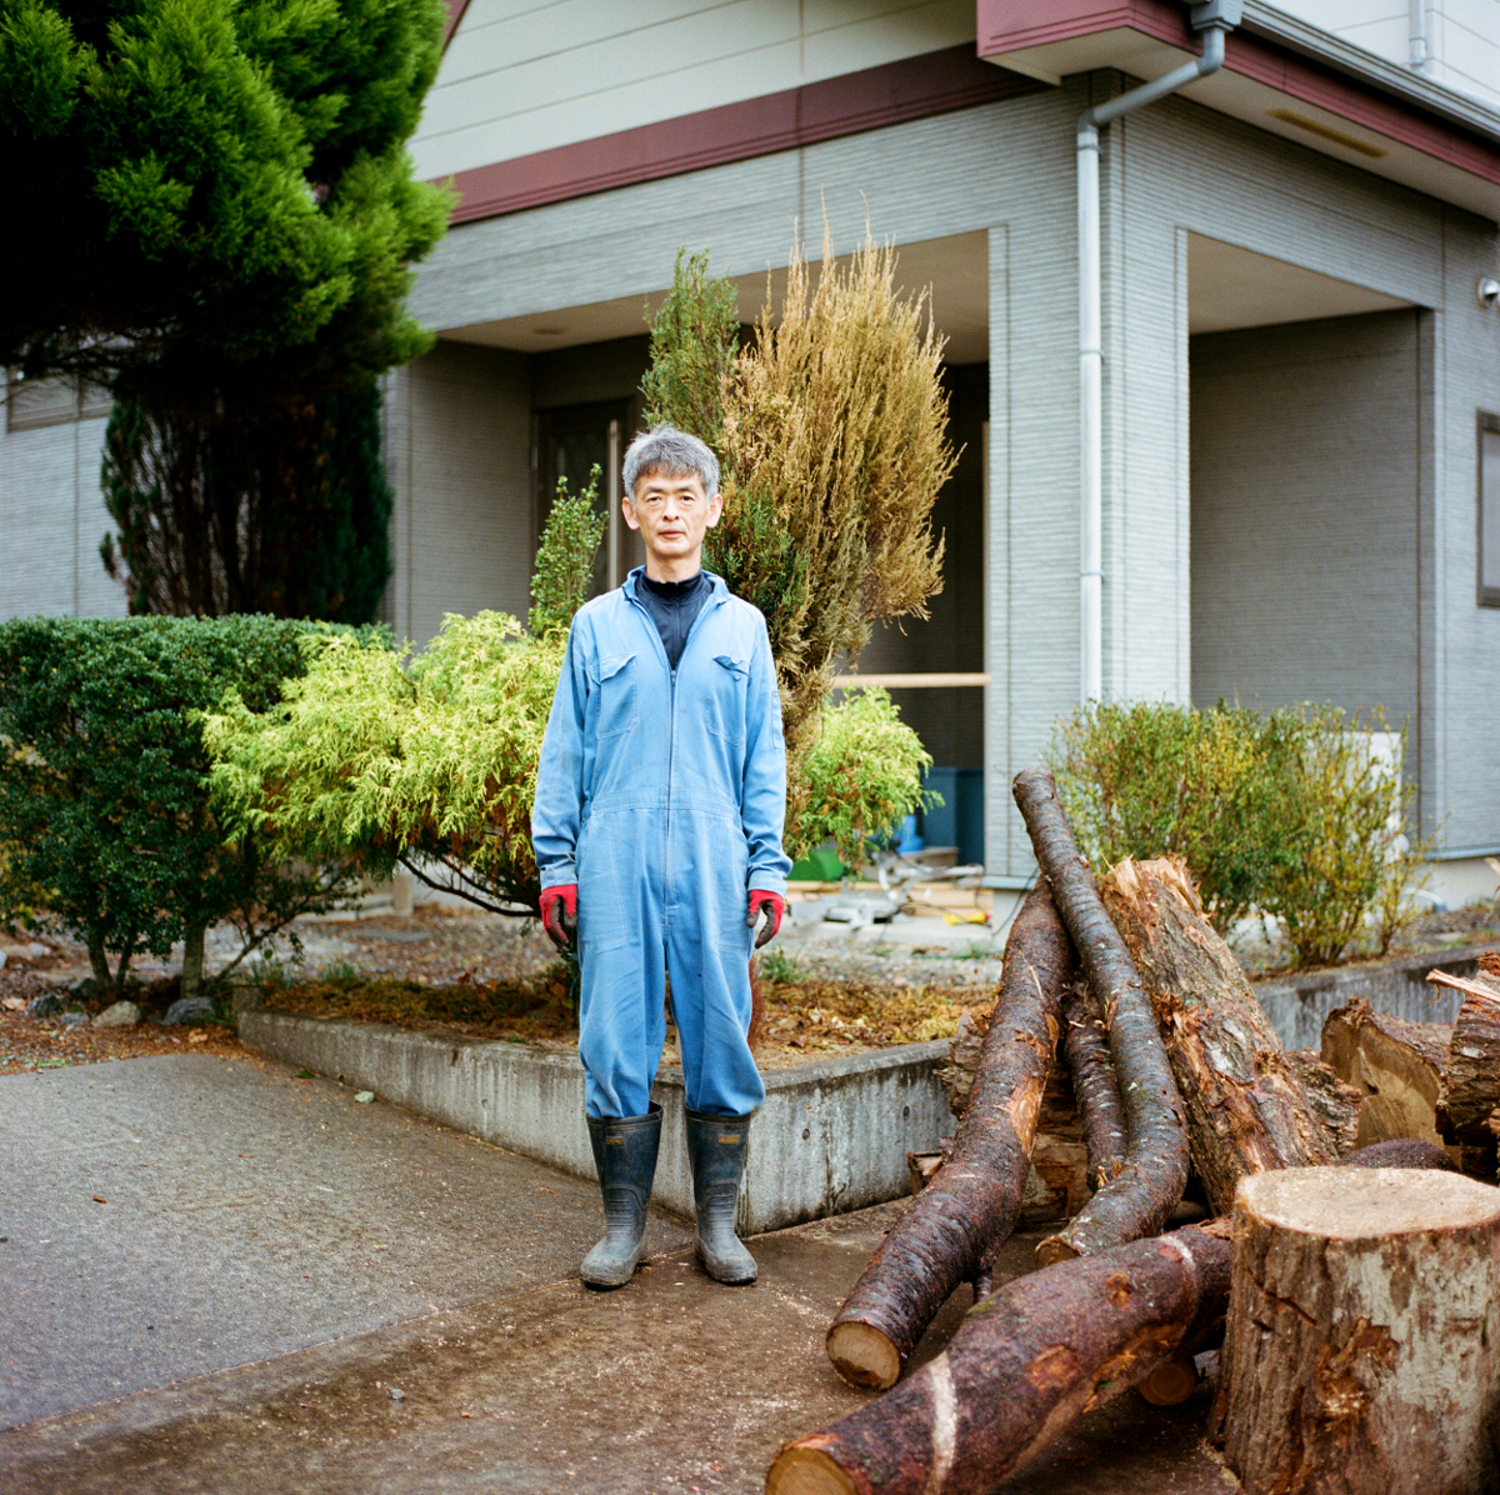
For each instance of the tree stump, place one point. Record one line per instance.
(1364, 1333)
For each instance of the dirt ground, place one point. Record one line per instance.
(448, 972)
(451, 971)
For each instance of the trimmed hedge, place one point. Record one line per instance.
(105, 804)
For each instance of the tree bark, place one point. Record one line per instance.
(192, 961)
(1043, 1349)
(1472, 1091)
(1334, 1103)
(969, 1208)
(1060, 1182)
(1086, 1048)
(1246, 1109)
(1155, 1170)
(1397, 1067)
(1038, 1353)
(1362, 1352)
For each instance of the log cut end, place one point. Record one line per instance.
(1359, 1204)
(1053, 1250)
(798, 1470)
(1171, 1383)
(863, 1356)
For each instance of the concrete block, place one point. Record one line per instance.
(832, 1137)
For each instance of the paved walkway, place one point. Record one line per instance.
(218, 1277)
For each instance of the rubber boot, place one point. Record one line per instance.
(625, 1156)
(716, 1149)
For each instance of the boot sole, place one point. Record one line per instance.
(608, 1280)
(728, 1278)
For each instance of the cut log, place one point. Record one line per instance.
(1362, 1354)
(1472, 1090)
(1038, 1353)
(1402, 1152)
(1335, 1103)
(1171, 1383)
(1246, 1108)
(1057, 1186)
(958, 1073)
(1086, 1048)
(967, 1211)
(1397, 1066)
(1151, 1181)
(1041, 1350)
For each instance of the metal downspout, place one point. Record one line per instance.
(1213, 20)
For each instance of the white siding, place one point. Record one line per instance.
(52, 518)
(1282, 528)
(519, 79)
(1463, 37)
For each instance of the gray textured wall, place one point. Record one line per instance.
(52, 518)
(1008, 168)
(458, 450)
(1305, 512)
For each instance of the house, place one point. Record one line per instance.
(1267, 470)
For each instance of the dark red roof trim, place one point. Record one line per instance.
(915, 88)
(1256, 57)
(1010, 25)
(455, 9)
(1013, 25)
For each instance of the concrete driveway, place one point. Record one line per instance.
(220, 1277)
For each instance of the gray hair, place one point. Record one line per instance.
(667, 450)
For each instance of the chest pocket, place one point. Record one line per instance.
(726, 716)
(615, 684)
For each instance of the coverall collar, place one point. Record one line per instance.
(717, 590)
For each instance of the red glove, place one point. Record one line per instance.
(774, 905)
(560, 913)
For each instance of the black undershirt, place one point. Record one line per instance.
(673, 606)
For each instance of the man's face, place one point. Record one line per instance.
(673, 513)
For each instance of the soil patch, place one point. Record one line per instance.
(799, 1020)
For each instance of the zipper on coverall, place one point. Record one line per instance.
(651, 628)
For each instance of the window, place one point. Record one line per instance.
(1489, 509)
(30, 403)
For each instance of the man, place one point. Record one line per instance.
(657, 828)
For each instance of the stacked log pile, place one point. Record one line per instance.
(1125, 1038)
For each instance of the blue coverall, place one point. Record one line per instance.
(662, 793)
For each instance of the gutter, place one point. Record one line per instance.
(1214, 20)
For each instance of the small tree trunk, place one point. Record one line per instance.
(1246, 1110)
(1086, 1047)
(104, 978)
(1397, 1067)
(1362, 1353)
(969, 1208)
(1042, 1350)
(1151, 1181)
(192, 961)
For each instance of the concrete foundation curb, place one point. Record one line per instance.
(832, 1137)
(1299, 1005)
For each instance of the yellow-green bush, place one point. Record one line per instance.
(1290, 815)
